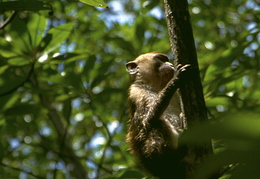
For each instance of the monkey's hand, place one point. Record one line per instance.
(183, 74)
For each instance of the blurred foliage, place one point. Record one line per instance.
(63, 86)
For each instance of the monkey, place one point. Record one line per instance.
(155, 123)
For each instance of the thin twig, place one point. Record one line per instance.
(21, 170)
(8, 20)
(57, 122)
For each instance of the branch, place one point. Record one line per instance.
(59, 126)
(183, 48)
(109, 140)
(21, 170)
(8, 20)
(63, 136)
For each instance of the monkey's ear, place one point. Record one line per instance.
(132, 67)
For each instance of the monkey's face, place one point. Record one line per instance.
(153, 69)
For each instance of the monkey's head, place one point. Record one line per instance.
(152, 69)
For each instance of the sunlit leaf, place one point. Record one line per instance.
(20, 39)
(8, 100)
(224, 101)
(98, 3)
(3, 68)
(69, 57)
(7, 49)
(56, 36)
(18, 61)
(37, 26)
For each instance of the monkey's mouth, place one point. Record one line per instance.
(168, 73)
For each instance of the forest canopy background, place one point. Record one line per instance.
(63, 85)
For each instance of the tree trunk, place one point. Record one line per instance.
(183, 48)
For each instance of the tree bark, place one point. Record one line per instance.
(183, 48)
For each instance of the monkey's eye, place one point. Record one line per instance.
(162, 58)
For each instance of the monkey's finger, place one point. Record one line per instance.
(186, 67)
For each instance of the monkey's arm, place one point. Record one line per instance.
(146, 106)
(165, 96)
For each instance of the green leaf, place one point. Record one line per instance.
(22, 109)
(139, 31)
(20, 39)
(130, 173)
(211, 102)
(215, 163)
(45, 42)
(7, 49)
(18, 61)
(91, 60)
(69, 80)
(24, 5)
(217, 68)
(97, 77)
(127, 45)
(240, 131)
(3, 68)
(68, 57)
(56, 36)
(97, 3)
(8, 100)
(11, 79)
(36, 27)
